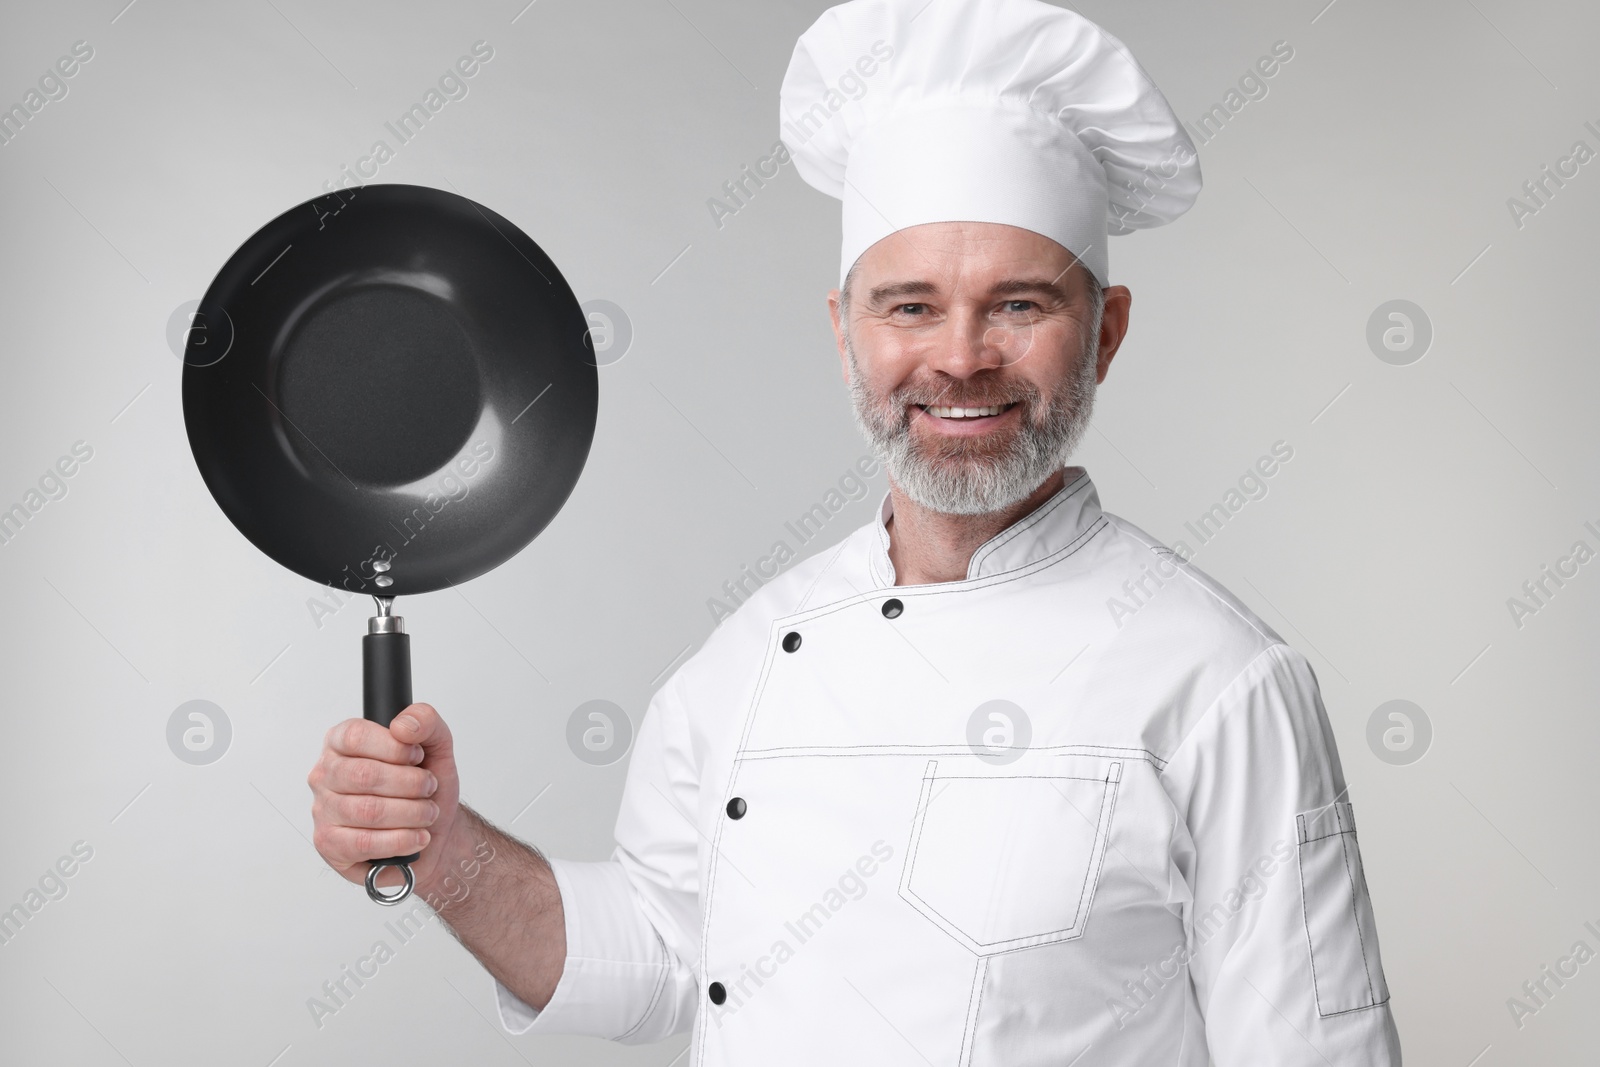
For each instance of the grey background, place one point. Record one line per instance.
(1418, 500)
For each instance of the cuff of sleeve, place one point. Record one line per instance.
(613, 971)
(515, 1015)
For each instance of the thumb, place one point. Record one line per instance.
(421, 724)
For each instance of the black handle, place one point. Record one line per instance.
(385, 693)
(385, 676)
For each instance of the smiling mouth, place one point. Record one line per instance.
(945, 412)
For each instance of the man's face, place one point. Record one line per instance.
(972, 352)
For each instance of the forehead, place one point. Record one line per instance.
(963, 256)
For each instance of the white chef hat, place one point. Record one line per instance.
(1009, 111)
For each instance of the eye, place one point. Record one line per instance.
(1019, 306)
(918, 308)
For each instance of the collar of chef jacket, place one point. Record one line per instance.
(1067, 517)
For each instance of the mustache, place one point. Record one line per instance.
(953, 392)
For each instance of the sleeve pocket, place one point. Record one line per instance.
(1340, 931)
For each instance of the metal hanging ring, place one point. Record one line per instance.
(397, 893)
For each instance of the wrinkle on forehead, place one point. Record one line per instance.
(951, 254)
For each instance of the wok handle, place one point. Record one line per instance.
(385, 693)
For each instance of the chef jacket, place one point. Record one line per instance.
(1082, 807)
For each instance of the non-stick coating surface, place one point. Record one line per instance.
(408, 380)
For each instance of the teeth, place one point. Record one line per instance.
(964, 413)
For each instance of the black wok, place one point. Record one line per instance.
(390, 390)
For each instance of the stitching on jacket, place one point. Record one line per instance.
(1005, 537)
(784, 622)
(1091, 876)
(1270, 650)
(981, 981)
(969, 1026)
(655, 997)
(1183, 568)
(1114, 788)
(1141, 755)
(713, 867)
(880, 546)
(826, 567)
(1305, 917)
(969, 585)
(1355, 915)
(1311, 955)
(1020, 777)
(1347, 1011)
(906, 892)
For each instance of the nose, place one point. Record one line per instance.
(969, 343)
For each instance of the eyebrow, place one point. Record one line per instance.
(1008, 287)
(894, 290)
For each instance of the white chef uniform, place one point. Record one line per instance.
(1082, 807)
(1148, 857)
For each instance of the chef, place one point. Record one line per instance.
(926, 798)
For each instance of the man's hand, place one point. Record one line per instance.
(382, 792)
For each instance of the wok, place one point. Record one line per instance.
(389, 390)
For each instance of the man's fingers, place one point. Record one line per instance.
(374, 813)
(368, 740)
(421, 724)
(371, 797)
(345, 846)
(356, 777)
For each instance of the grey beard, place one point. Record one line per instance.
(955, 477)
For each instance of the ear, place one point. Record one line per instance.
(1113, 327)
(838, 334)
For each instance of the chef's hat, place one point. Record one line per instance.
(1009, 111)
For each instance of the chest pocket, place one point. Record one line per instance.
(1003, 862)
